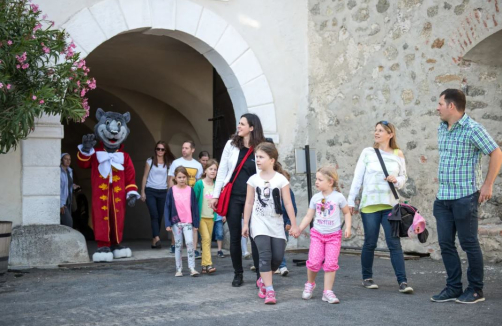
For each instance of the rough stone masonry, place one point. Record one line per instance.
(372, 60)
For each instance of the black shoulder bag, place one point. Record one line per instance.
(401, 217)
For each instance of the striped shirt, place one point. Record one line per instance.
(460, 150)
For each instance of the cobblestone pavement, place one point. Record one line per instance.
(148, 294)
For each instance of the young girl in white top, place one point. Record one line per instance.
(154, 187)
(326, 235)
(263, 206)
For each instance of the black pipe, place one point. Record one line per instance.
(309, 178)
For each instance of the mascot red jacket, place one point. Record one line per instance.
(113, 182)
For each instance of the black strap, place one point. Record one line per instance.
(386, 173)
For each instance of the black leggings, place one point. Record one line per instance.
(271, 252)
(234, 219)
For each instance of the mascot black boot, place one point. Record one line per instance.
(113, 182)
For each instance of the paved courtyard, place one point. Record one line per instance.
(147, 293)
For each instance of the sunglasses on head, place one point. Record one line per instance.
(384, 122)
(160, 149)
(323, 201)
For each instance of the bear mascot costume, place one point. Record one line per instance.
(112, 180)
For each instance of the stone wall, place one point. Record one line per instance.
(389, 60)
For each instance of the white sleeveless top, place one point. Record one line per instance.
(157, 178)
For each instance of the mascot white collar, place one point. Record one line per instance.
(107, 160)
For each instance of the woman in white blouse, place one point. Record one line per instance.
(154, 187)
(377, 201)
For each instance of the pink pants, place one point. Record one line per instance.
(324, 248)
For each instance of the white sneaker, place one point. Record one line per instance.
(193, 272)
(246, 255)
(178, 273)
(252, 268)
(308, 290)
(284, 271)
(277, 271)
(329, 297)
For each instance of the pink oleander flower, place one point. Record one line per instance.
(18, 66)
(1, 85)
(82, 92)
(41, 102)
(91, 83)
(78, 83)
(9, 86)
(22, 58)
(34, 97)
(34, 8)
(44, 17)
(46, 50)
(37, 26)
(25, 66)
(9, 42)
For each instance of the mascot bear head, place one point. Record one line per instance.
(111, 128)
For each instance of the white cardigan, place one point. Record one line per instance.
(369, 174)
(227, 166)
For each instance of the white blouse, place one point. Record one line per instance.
(369, 175)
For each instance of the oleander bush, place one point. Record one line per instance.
(40, 72)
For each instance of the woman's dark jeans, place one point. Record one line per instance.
(156, 200)
(234, 220)
(371, 224)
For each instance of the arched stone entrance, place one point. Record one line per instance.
(193, 24)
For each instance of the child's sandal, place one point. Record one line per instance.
(204, 269)
(210, 269)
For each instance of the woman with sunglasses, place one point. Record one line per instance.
(154, 187)
(377, 201)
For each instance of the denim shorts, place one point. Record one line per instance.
(218, 230)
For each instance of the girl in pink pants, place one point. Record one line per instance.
(326, 235)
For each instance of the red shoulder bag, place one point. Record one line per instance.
(224, 200)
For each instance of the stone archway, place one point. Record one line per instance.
(473, 27)
(209, 34)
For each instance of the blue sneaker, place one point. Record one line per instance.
(471, 296)
(197, 255)
(446, 295)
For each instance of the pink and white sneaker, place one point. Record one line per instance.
(329, 297)
(270, 298)
(307, 292)
(262, 292)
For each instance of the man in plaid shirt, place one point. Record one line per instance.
(461, 142)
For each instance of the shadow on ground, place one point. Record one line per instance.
(147, 293)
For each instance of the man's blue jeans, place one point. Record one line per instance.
(460, 216)
(371, 224)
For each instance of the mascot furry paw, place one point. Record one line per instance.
(112, 179)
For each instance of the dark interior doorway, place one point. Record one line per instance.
(224, 123)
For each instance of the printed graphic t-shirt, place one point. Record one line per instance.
(182, 200)
(327, 216)
(194, 169)
(264, 219)
(207, 212)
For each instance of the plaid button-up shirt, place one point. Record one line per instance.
(460, 150)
